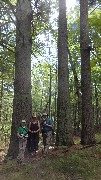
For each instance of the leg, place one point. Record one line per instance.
(22, 146)
(29, 143)
(48, 140)
(32, 143)
(44, 135)
(36, 141)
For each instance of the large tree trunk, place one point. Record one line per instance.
(22, 104)
(64, 135)
(87, 134)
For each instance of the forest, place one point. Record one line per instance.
(50, 61)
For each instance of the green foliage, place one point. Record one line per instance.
(13, 2)
(95, 28)
(41, 85)
(6, 117)
(98, 137)
(95, 34)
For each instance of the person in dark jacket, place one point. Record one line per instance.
(46, 129)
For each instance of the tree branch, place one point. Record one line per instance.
(12, 7)
(5, 46)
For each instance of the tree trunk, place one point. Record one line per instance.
(96, 105)
(22, 104)
(64, 134)
(78, 91)
(87, 133)
(1, 97)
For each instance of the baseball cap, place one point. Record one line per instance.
(44, 114)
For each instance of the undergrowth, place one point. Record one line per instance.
(75, 163)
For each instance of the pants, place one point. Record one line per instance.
(33, 141)
(46, 140)
(22, 147)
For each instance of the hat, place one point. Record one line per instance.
(23, 121)
(44, 114)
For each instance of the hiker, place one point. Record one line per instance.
(34, 129)
(22, 135)
(46, 129)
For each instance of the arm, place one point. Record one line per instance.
(38, 126)
(20, 136)
(19, 133)
(29, 128)
(49, 124)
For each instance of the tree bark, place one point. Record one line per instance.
(64, 133)
(87, 133)
(22, 104)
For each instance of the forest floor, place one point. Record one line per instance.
(74, 163)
